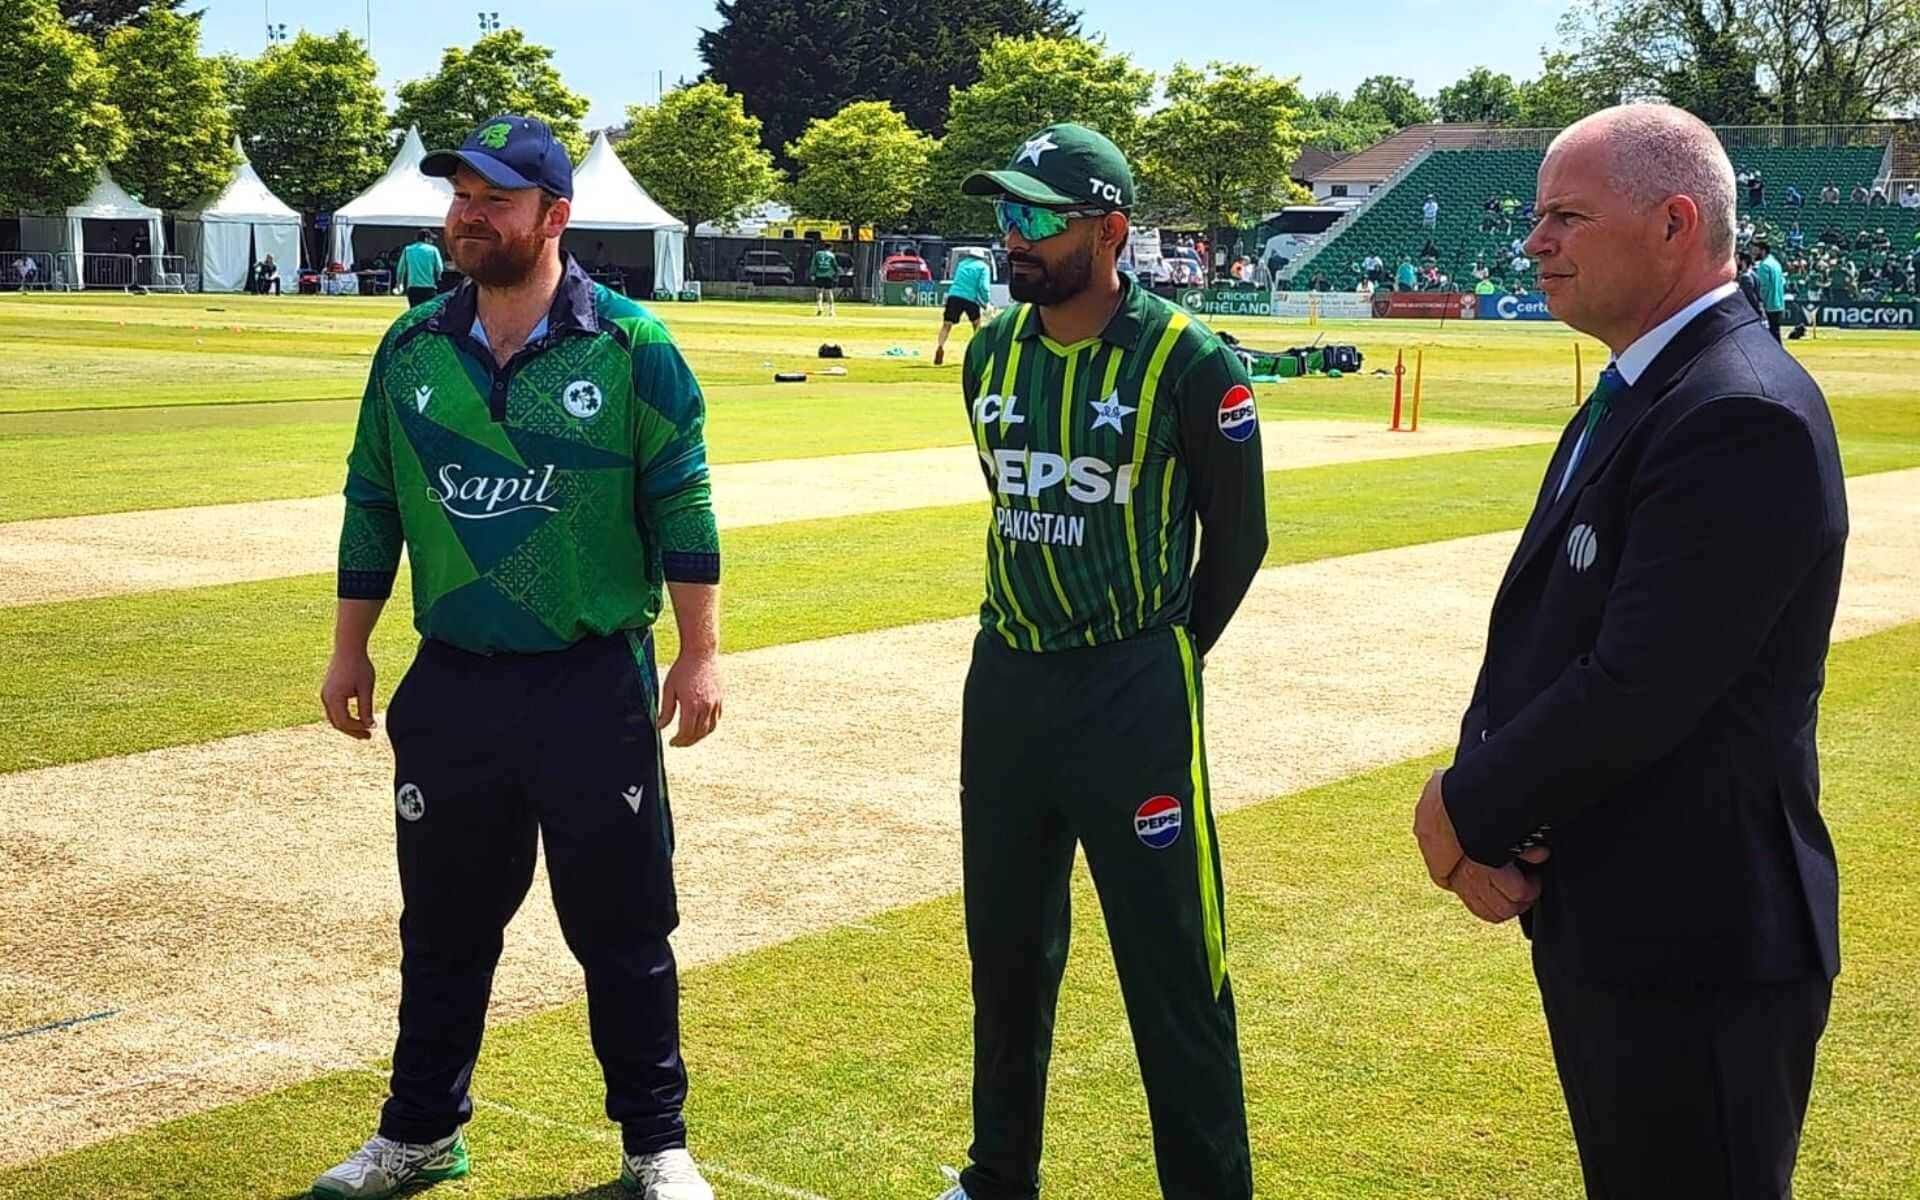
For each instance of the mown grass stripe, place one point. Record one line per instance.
(92, 678)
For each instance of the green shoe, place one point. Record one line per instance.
(383, 1168)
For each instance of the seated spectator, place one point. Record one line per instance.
(1520, 265)
(1880, 239)
(269, 276)
(1405, 278)
(1832, 237)
(1430, 250)
(1364, 288)
(1796, 237)
(1517, 247)
(1878, 196)
(1862, 240)
(1910, 197)
(1756, 189)
(1795, 197)
(1860, 194)
(1830, 194)
(1484, 287)
(1526, 212)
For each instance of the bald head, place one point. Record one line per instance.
(1655, 152)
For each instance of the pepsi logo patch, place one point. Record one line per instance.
(1237, 419)
(1157, 822)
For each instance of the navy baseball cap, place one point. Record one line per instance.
(509, 152)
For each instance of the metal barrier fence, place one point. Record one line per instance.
(73, 272)
(161, 272)
(25, 270)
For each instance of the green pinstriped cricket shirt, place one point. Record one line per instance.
(540, 502)
(1125, 474)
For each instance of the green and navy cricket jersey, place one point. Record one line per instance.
(540, 502)
(825, 266)
(420, 265)
(1105, 459)
(972, 281)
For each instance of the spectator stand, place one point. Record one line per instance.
(1502, 165)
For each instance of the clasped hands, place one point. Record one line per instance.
(1493, 894)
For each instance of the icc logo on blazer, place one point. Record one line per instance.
(1582, 545)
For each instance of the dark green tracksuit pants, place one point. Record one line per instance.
(1101, 746)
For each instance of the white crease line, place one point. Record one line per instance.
(601, 1135)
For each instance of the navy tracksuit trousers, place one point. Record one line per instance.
(489, 751)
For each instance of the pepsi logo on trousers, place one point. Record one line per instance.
(1157, 822)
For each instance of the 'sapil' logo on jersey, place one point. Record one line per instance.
(479, 497)
(1157, 822)
(1237, 418)
(583, 399)
(1033, 472)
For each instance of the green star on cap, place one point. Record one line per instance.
(1062, 166)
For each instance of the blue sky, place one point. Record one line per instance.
(614, 51)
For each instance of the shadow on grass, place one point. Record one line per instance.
(606, 1191)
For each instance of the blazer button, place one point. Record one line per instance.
(1483, 735)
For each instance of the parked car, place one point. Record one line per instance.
(905, 268)
(764, 267)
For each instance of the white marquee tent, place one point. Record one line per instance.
(66, 234)
(608, 200)
(242, 225)
(391, 212)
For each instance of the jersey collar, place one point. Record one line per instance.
(572, 311)
(1123, 328)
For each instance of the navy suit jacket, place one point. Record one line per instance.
(1648, 699)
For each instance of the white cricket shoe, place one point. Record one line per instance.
(956, 1192)
(668, 1175)
(383, 1167)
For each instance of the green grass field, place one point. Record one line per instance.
(1393, 1046)
(100, 416)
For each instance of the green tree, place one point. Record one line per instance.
(1482, 96)
(794, 60)
(236, 77)
(1394, 99)
(1220, 150)
(314, 121)
(501, 73)
(1563, 93)
(1025, 85)
(698, 153)
(98, 18)
(1697, 54)
(175, 104)
(864, 165)
(1343, 127)
(58, 125)
(1838, 62)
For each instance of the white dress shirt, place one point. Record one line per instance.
(1635, 360)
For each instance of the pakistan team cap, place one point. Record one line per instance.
(509, 152)
(1062, 166)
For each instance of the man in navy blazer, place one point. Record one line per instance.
(1637, 771)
